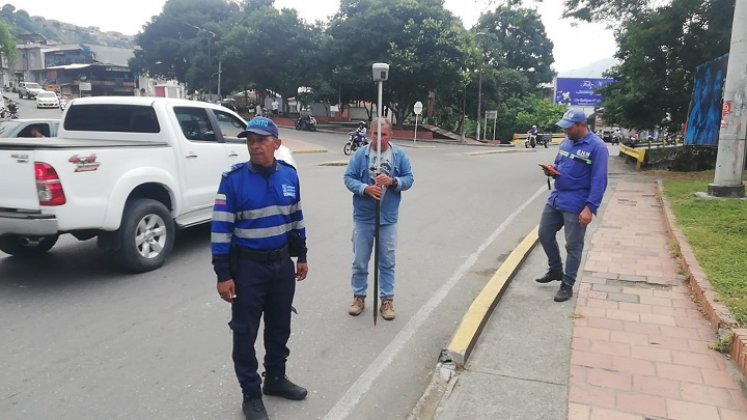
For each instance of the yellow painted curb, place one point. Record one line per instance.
(497, 152)
(478, 313)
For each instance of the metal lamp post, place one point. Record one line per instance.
(479, 101)
(479, 87)
(380, 75)
(210, 56)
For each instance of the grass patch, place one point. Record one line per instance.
(717, 232)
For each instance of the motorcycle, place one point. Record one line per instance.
(356, 140)
(9, 113)
(531, 140)
(306, 122)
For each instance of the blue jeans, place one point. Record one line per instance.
(551, 222)
(363, 236)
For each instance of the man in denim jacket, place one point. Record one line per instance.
(367, 186)
(580, 172)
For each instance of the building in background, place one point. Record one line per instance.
(75, 69)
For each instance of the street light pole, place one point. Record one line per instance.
(210, 56)
(220, 64)
(479, 85)
(479, 101)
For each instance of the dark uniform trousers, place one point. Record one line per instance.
(261, 287)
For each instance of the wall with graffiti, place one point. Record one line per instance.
(704, 118)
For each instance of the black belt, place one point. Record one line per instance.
(262, 256)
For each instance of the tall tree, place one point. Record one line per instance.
(659, 51)
(8, 45)
(423, 43)
(271, 49)
(610, 10)
(181, 42)
(514, 38)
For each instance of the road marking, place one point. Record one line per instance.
(347, 403)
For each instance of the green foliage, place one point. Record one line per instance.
(257, 45)
(517, 115)
(275, 50)
(659, 50)
(431, 56)
(717, 232)
(179, 43)
(596, 10)
(8, 45)
(514, 38)
(424, 44)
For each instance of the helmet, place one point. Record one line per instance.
(362, 124)
(534, 126)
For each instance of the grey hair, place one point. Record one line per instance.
(384, 122)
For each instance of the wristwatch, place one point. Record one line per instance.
(394, 182)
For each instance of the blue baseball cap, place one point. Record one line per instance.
(262, 126)
(572, 116)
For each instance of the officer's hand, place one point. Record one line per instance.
(373, 191)
(302, 269)
(227, 290)
(585, 217)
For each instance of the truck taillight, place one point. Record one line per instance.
(48, 185)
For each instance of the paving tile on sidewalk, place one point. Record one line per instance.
(657, 364)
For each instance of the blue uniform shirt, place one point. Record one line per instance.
(583, 174)
(255, 208)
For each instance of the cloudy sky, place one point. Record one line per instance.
(575, 46)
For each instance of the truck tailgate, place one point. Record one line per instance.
(17, 181)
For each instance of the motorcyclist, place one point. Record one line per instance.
(360, 133)
(531, 133)
(11, 109)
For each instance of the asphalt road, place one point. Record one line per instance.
(82, 340)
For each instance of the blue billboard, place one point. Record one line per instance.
(579, 91)
(704, 117)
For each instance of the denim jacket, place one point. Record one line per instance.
(358, 176)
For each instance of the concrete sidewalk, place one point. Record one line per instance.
(632, 344)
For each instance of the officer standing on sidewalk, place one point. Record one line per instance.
(580, 181)
(257, 225)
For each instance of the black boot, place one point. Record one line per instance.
(551, 275)
(253, 408)
(564, 293)
(280, 386)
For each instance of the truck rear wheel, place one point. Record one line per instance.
(27, 246)
(146, 235)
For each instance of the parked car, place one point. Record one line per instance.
(28, 90)
(47, 99)
(23, 128)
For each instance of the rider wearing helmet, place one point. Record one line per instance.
(360, 133)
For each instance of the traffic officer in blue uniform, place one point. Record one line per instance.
(580, 172)
(257, 225)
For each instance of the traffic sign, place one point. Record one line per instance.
(418, 108)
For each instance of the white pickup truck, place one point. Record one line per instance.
(124, 169)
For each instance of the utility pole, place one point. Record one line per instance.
(727, 181)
